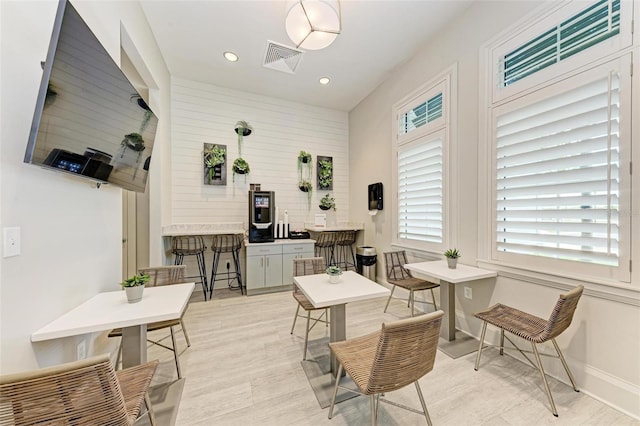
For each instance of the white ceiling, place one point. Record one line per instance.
(377, 36)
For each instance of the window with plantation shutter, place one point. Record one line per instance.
(558, 181)
(588, 27)
(420, 190)
(420, 169)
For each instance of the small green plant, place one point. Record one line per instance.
(334, 270)
(136, 280)
(327, 202)
(452, 253)
(214, 156)
(304, 157)
(133, 141)
(305, 186)
(241, 167)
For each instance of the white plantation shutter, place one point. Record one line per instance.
(420, 190)
(557, 175)
(590, 26)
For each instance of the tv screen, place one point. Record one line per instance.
(89, 119)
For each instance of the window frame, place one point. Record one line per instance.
(443, 126)
(487, 100)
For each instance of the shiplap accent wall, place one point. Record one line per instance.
(206, 113)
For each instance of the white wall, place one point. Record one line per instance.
(203, 113)
(603, 343)
(71, 231)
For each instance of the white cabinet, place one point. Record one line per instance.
(270, 265)
(290, 252)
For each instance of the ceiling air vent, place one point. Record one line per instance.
(282, 58)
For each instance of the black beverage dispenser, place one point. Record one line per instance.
(261, 216)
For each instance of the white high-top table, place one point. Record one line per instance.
(448, 278)
(109, 310)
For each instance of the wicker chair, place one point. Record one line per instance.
(191, 245)
(325, 246)
(535, 330)
(307, 266)
(399, 354)
(162, 275)
(85, 392)
(343, 250)
(226, 243)
(399, 276)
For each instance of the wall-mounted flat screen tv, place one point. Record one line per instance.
(89, 119)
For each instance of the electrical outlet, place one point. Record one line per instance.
(11, 242)
(81, 350)
(468, 293)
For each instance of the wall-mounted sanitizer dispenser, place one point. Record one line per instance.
(375, 196)
(261, 216)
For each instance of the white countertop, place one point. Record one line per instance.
(440, 270)
(203, 229)
(352, 288)
(280, 242)
(109, 310)
(335, 228)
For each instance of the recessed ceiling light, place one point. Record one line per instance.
(325, 80)
(230, 56)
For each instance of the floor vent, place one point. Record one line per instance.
(282, 58)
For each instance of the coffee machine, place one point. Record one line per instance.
(261, 216)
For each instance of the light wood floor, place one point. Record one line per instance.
(243, 368)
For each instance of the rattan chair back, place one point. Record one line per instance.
(345, 238)
(562, 315)
(308, 266)
(406, 351)
(394, 264)
(187, 244)
(164, 275)
(77, 393)
(326, 239)
(226, 243)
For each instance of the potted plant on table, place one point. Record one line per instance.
(452, 256)
(334, 273)
(134, 286)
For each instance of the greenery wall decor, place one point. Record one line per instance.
(240, 165)
(215, 164)
(304, 174)
(327, 202)
(325, 173)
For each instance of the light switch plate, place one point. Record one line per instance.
(11, 242)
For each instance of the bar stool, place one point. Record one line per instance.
(227, 243)
(324, 247)
(344, 256)
(191, 245)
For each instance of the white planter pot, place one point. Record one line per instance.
(452, 263)
(334, 279)
(134, 294)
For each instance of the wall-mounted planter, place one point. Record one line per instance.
(215, 164)
(325, 173)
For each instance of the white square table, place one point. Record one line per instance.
(448, 278)
(109, 310)
(321, 293)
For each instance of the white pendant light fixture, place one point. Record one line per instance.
(313, 24)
